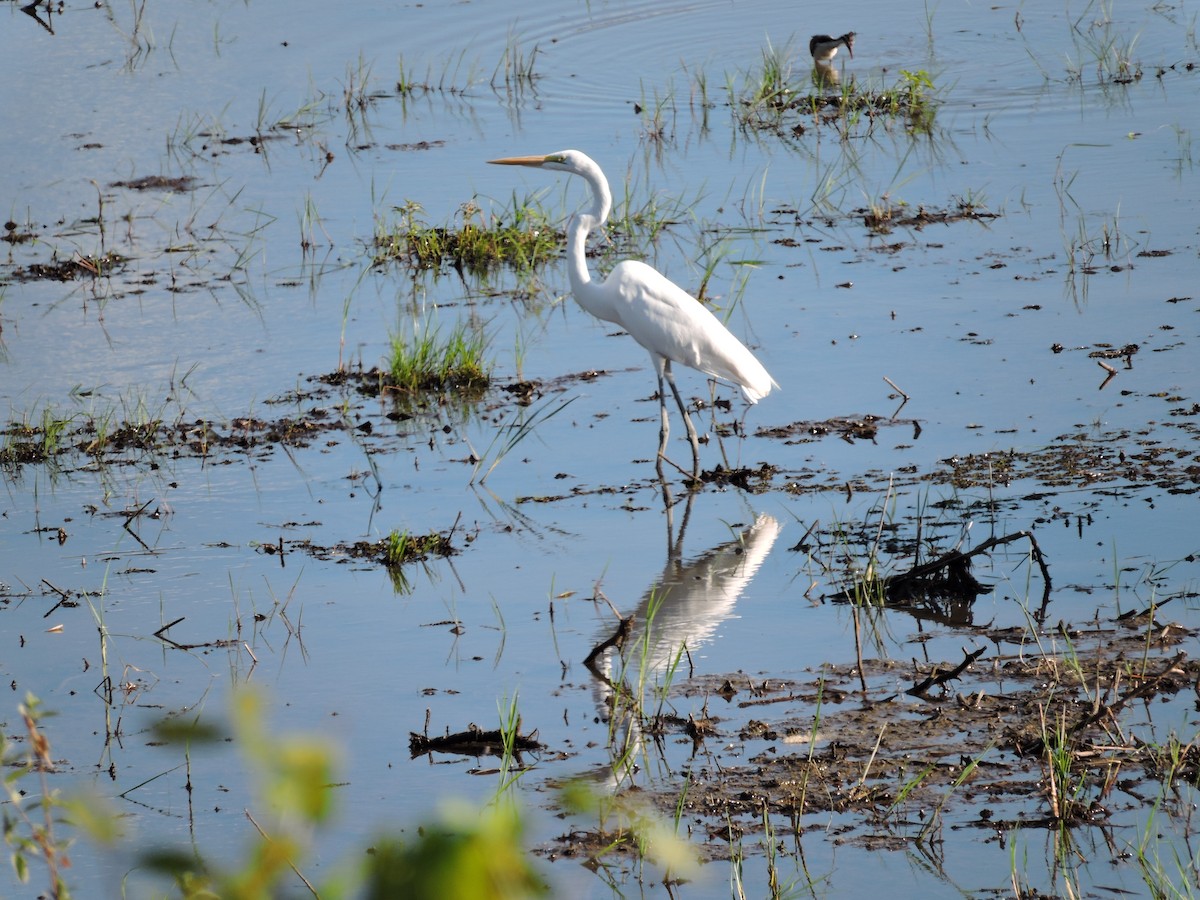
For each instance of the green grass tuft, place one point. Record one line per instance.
(773, 101)
(427, 363)
(478, 243)
(401, 547)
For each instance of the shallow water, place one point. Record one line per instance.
(221, 313)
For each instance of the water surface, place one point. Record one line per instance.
(239, 290)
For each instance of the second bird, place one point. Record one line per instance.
(824, 48)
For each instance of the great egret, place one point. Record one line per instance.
(661, 316)
(823, 47)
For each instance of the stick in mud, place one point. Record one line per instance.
(160, 634)
(617, 639)
(937, 677)
(1147, 688)
(133, 515)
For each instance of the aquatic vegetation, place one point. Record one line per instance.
(28, 442)
(520, 425)
(278, 469)
(518, 237)
(401, 547)
(770, 86)
(636, 225)
(356, 90)
(514, 73)
(884, 214)
(510, 734)
(773, 101)
(427, 362)
(658, 119)
(452, 79)
(1066, 777)
(1111, 54)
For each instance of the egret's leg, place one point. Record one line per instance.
(664, 428)
(687, 419)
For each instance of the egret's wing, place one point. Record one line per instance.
(670, 322)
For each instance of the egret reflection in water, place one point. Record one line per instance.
(680, 613)
(690, 600)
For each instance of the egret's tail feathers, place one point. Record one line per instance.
(759, 386)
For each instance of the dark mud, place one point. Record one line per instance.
(887, 754)
(178, 184)
(77, 267)
(359, 405)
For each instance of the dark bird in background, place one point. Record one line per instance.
(824, 48)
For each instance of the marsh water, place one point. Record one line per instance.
(1020, 263)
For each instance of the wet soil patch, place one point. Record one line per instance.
(790, 114)
(1077, 460)
(898, 759)
(179, 184)
(386, 552)
(1161, 456)
(883, 220)
(848, 428)
(13, 234)
(752, 479)
(333, 406)
(418, 145)
(70, 269)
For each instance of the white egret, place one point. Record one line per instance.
(661, 316)
(823, 47)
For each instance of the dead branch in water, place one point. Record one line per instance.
(951, 573)
(616, 639)
(472, 742)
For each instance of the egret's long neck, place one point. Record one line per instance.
(578, 228)
(601, 195)
(587, 292)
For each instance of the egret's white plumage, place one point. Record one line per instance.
(661, 316)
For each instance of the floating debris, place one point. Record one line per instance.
(474, 741)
